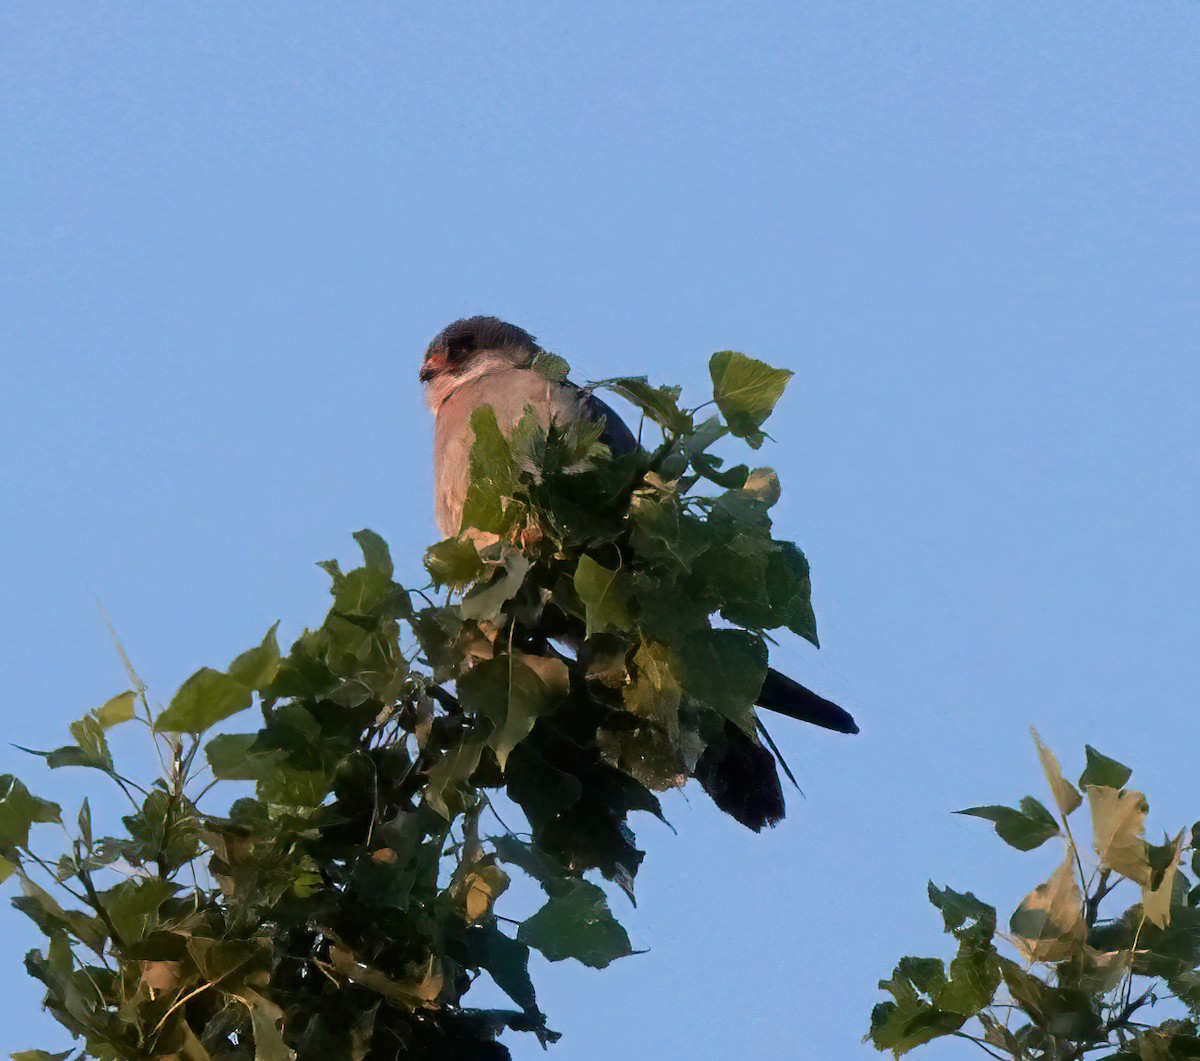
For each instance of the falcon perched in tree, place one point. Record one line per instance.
(484, 361)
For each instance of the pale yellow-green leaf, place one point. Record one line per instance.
(481, 888)
(1065, 794)
(430, 985)
(762, 484)
(118, 709)
(266, 1019)
(1118, 824)
(160, 976)
(1048, 926)
(1156, 904)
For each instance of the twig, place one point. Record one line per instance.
(981, 1044)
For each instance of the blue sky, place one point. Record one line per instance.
(227, 232)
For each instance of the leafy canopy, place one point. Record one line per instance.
(1081, 978)
(333, 889)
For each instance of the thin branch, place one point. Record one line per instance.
(54, 876)
(1092, 906)
(980, 1043)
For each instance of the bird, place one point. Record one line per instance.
(483, 360)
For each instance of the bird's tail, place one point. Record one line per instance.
(786, 697)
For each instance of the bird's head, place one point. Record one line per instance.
(470, 348)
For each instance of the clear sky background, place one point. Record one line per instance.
(228, 230)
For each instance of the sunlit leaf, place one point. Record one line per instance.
(1156, 901)
(1065, 794)
(117, 710)
(1048, 926)
(256, 667)
(746, 391)
(206, 698)
(1118, 823)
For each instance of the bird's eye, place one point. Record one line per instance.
(460, 345)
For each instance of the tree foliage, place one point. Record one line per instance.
(602, 638)
(1079, 978)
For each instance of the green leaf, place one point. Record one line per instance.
(90, 751)
(256, 668)
(266, 1019)
(655, 691)
(1066, 1010)
(1103, 771)
(84, 822)
(660, 404)
(576, 923)
(513, 691)
(974, 977)
(454, 562)
(447, 784)
(40, 1055)
(167, 830)
(746, 391)
(376, 555)
(506, 960)
(118, 709)
(725, 669)
(533, 860)
(133, 905)
(789, 590)
(605, 595)
(1023, 829)
(486, 601)
(44, 911)
(550, 366)
(912, 1018)
(240, 757)
(493, 474)
(962, 912)
(205, 699)
(369, 593)
(20, 809)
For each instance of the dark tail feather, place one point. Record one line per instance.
(786, 697)
(739, 774)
